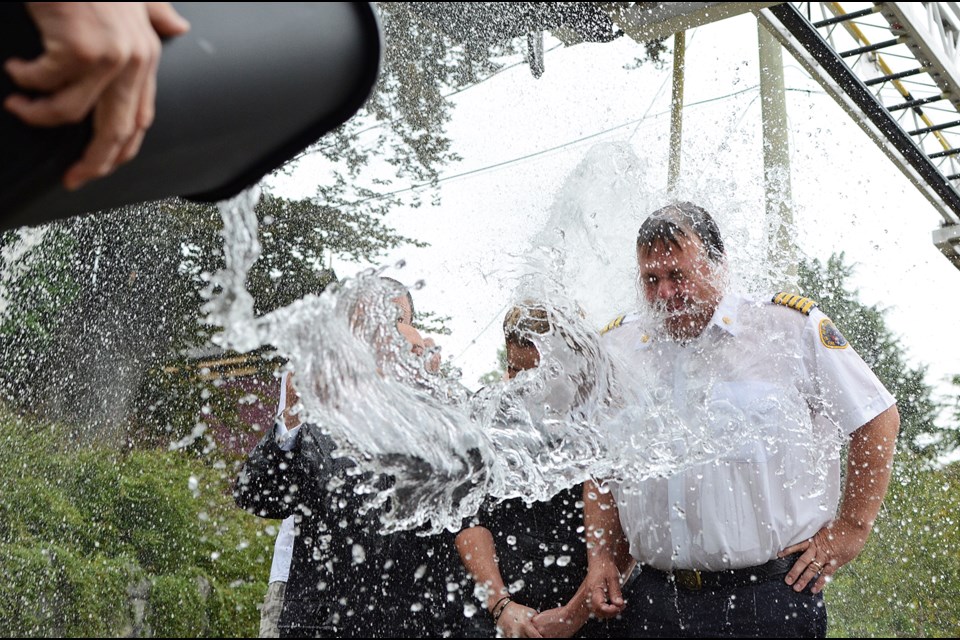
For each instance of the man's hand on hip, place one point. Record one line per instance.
(829, 549)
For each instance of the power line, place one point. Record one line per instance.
(492, 166)
(656, 96)
(498, 72)
(541, 152)
(639, 121)
(650, 106)
(498, 314)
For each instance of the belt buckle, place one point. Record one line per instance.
(688, 579)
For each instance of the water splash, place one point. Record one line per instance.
(17, 257)
(580, 414)
(229, 304)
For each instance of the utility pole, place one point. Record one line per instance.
(776, 161)
(676, 111)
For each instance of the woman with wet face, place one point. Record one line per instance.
(529, 559)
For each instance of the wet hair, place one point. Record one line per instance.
(667, 225)
(406, 291)
(532, 318)
(524, 319)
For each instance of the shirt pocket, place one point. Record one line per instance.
(747, 418)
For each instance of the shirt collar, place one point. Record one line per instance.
(725, 315)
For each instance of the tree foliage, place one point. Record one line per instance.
(402, 125)
(100, 543)
(496, 375)
(865, 327)
(113, 295)
(956, 401)
(906, 582)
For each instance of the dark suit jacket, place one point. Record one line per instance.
(346, 579)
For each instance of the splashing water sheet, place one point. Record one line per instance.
(445, 448)
(579, 415)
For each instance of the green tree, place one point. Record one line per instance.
(34, 291)
(96, 542)
(906, 582)
(402, 125)
(122, 296)
(865, 327)
(496, 375)
(955, 409)
(118, 293)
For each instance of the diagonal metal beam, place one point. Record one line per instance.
(928, 47)
(806, 44)
(645, 21)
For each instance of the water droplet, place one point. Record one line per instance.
(359, 554)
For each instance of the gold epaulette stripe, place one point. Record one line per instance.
(613, 324)
(793, 301)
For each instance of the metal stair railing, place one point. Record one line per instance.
(892, 67)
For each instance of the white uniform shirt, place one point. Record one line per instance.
(283, 547)
(283, 551)
(776, 393)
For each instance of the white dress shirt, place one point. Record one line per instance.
(772, 395)
(283, 547)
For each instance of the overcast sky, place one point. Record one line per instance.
(848, 196)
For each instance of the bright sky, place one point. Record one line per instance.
(847, 195)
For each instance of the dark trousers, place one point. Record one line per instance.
(657, 607)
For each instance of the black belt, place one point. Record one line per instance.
(694, 580)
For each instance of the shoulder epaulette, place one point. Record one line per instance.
(613, 324)
(793, 301)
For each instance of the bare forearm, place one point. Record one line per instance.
(479, 556)
(604, 535)
(607, 554)
(869, 465)
(578, 609)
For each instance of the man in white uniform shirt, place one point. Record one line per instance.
(760, 396)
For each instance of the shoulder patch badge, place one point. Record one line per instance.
(830, 336)
(798, 303)
(613, 324)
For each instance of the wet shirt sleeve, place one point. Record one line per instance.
(275, 474)
(843, 388)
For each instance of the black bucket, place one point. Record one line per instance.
(249, 87)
